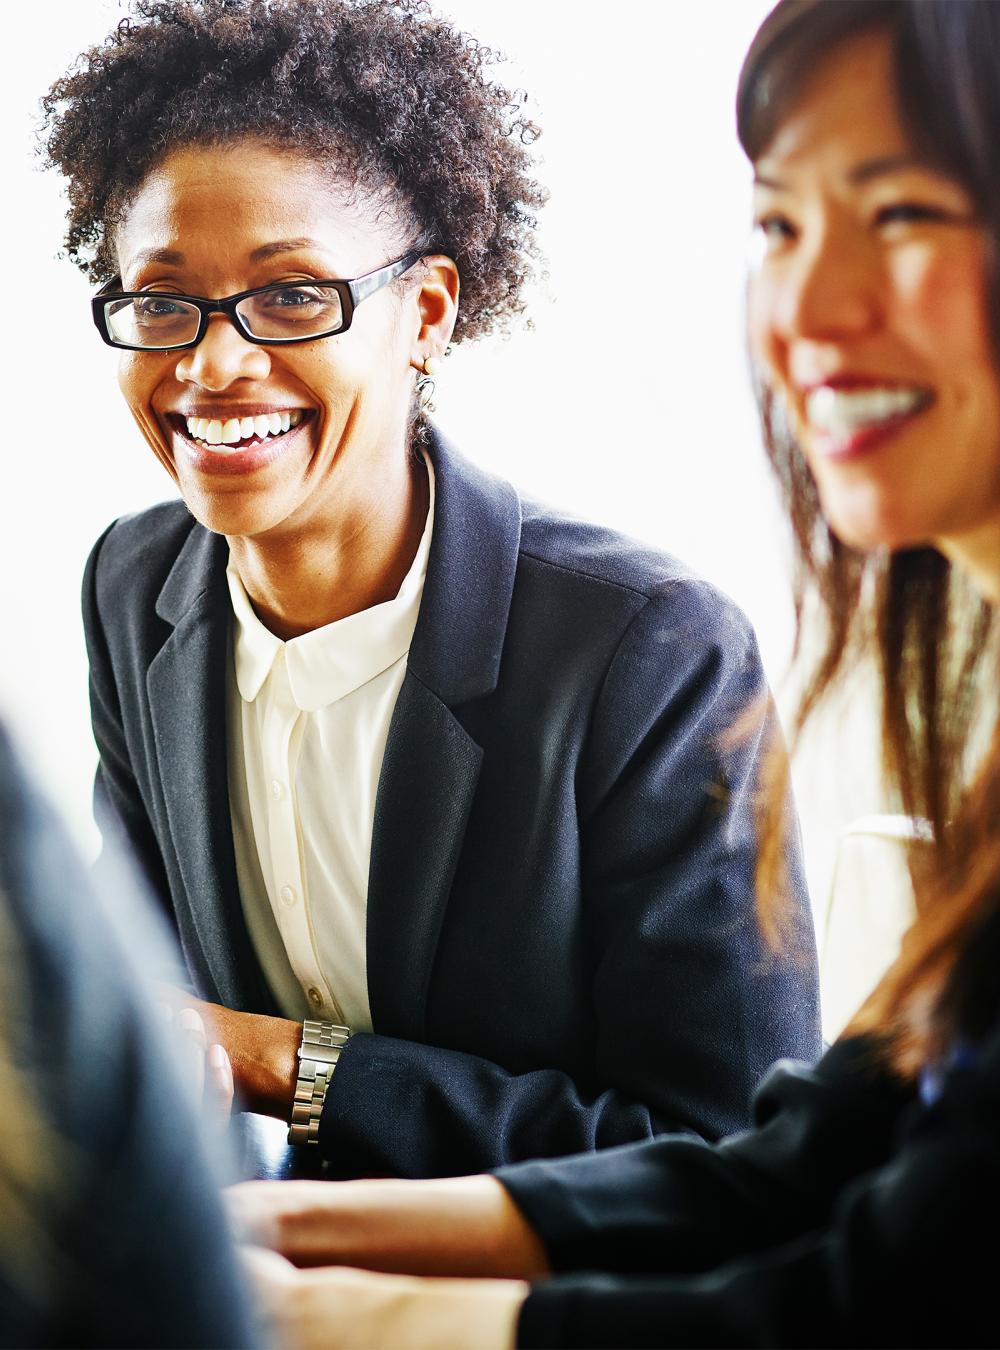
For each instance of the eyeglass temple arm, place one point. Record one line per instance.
(374, 281)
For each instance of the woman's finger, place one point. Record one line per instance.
(219, 1088)
(191, 1044)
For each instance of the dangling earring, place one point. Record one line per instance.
(425, 384)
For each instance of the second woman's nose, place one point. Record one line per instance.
(222, 357)
(829, 288)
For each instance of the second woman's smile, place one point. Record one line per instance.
(848, 417)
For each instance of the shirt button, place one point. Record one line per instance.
(315, 997)
(288, 896)
(277, 790)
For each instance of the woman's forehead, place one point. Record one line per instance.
(244, 202)
(849, 102)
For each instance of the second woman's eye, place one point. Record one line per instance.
(913, 213)
(774, 228)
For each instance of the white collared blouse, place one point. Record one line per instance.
(308, 723)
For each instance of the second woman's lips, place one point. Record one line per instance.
(841, 412)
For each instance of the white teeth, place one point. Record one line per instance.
(841, 412)
(223, 436)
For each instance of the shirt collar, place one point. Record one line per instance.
(331, 662)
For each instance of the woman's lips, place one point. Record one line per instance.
(256, 453)
(854, 418)
(844, 446)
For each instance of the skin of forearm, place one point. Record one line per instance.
(264, 1055)
(262, 1050)
(465, 1226)
(360, 1310)
(435, 1314)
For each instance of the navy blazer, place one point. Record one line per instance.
(562, 948)
(852, 1215)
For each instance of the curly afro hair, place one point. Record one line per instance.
(393, 99)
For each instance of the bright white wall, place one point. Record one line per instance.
(628, 402)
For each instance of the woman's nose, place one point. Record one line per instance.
(222, 357)
(830, 289)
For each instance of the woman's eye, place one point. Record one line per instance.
(157, 307)
(292, 297)
(774, 229)
(911, 213)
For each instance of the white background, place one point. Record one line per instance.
(628, 402)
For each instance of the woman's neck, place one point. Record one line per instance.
(342, 561)
(976, 552)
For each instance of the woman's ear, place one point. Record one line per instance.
(437, 305)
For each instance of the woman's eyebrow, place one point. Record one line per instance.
(173, 258)
(762, 180)
(861, 173)
(886, 164)
(169, 256)
(282, 246)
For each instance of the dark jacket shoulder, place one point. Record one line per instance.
(678, 603)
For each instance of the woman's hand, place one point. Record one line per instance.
(356, 1310)
(465, 1226)
(205, 1066)
(263, 1052)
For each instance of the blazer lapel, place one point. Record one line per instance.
(429, 776)
(431, 765)
(186, 685)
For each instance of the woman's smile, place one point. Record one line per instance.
(851, 415)
(239, 440)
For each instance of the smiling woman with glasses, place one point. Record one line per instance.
(431, 780)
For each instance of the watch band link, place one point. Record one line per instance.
(319, 1051)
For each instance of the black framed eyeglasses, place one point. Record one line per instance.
(284, 312)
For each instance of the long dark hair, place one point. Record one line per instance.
(930, 632)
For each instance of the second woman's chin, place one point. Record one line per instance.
(866, 517)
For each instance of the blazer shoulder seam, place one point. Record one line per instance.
(590, 576)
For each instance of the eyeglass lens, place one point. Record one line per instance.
(159, 320)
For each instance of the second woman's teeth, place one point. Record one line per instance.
(842, 412)
(214, 432)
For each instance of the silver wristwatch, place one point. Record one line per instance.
(319, 1051)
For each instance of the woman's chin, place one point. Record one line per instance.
(875, 524)
(235, 513)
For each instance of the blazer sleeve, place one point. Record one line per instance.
(689, 1007)
(848, 1217)
(119, 810)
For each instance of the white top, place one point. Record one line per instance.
(308, 722)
